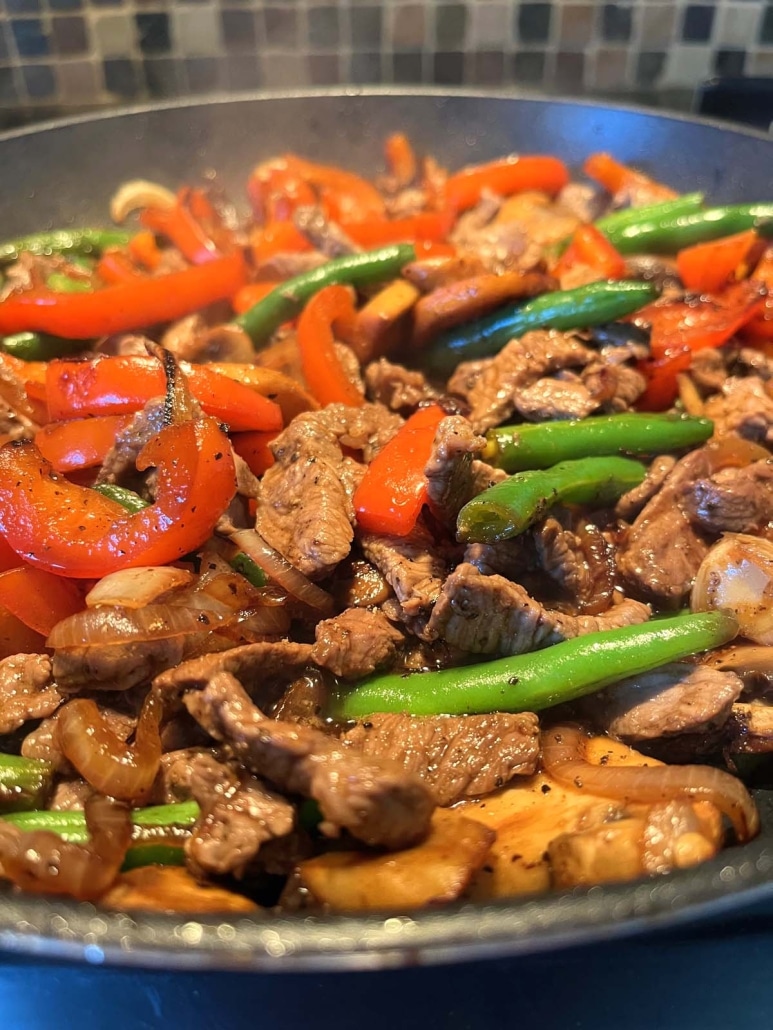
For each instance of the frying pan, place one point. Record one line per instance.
(65, 173)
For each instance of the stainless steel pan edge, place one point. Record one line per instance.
(65, 172)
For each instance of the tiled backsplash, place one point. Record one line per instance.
(72, 54)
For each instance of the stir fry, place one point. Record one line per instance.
(402, 541)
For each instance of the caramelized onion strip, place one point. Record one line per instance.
(279, 569)
(109, 765)
(563, 758)
(41, 862)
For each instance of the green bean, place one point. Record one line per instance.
(507, 509)
(158, 834)
(670, 234)
(31, 346)
(288, 299)
(687, 204)
(60, 282)
(542, 679)
(128, 499)
(589, 305)
(24, 782)
(538, 445)
(63, 241)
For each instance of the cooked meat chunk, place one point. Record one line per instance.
(356, 643)
(325, 236)
(70, 795)
(663, 550)
(708, 369)
(305, 506)
(754, 362)
(492, 387)
(579, 561)
(262, 668)
(239, 814)
(744, 407)
(632, 502)
(449, 472)
(43, 742)
(674, 699)
(751, 728)
(399, 389)
(491, 615)
(585, 202)
(456, 756)
(286, 264)
(120, 465)
(565, 397)
(303, 702)
(485, 476)
(27, 690)
(411, 565)
(116, 666)
(504, 558)
(613, 384)
(733, 500)
(374, 799)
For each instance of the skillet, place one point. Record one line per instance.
(64, 173)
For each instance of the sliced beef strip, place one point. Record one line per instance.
(632, 502)
(115, 666)
(565, 397)
(663, 549)
(120, 465)
(398, 388)
(674, 699)
(176, 772)
(449, 471)
(27, 690)
(490, 615)
(412, 565)
(753, 362)
(456, 756)
(305, 507)
(374, 799)
(505, 558)
(708, 369)
(263, 669)
(560, 553)
(355, 643)
(614, 385)
(239, 815)
(744, 407)
(304, 702)
(492, 386)
(324, 235)
(485, 476)
(733, 500)
(70, 795)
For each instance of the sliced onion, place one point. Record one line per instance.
(107, 763)
(563, 758)
(135, 588)
(733, 451)
(108, 626)
(40, 861)
(737, 575)
(744, 659)
(278, 569)
(137, 194)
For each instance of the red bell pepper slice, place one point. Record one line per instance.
(115, 266)
(183, 225)
(76, 532)
(761, 326)
(400, 159)
(249, 295)
(38, 598)
(432, 226)
(506, 176)
(615, 176)
(661, 375)
(82, 443)
(126, 306)
(707, 267)
(277, 238)
(119, 385)
(589, 246)
(322, 370)
(255, 449)
(144, 250)
(277, 190)
(9, 559)
(393, 490)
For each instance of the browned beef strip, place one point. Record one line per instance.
(585, 202)
(398, 388)
(708, 369)
(485, 476)
(120, 465)
(286, 264)
(374, 799)
(456, 756)
(565, 397)
(116, 666)
(263, 669)
(490, 615)
(305, 507)
(744, 407)
(303, 702)
(733, 500)
(674, 699)
(411, 565)
(491, 387)
(449, 471)
(754, 362)
(504, 558)
(612, 384)
(325, 236)
(663, 549)
(27, 690)
(632, 502)
(175, 773)
(70, 794)
(355, 643)
(239, 815)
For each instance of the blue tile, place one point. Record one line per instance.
(64, 5)
(22, 6)
(31, 41)
(8, 93)
(39, 80)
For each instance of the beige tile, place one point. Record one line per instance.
(576, 25)
(490, 25)
(658, 22)
(114, 34)
(285, 71)
(737, 25)
(761, 63)
(609, 68)
(197, 31)
(78, 80)
(408, 25)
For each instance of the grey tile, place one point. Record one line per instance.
(3, 42)
(22, 6)
(64, 5)
(569, 71)
(528, 67)
(204, 74)
(576, 25)
(533, 22)
(408, 67)
(610, 68)
(324, 69)
(324, 27)
(39, 81)
(766, 26)
(448, 69)
(280, 26)
(408, 26)
(285, 71)
(197, 31)
(650, 65)
(657, 24)
(489, 24)
(697, 23)
(239, 30)
(729, 61)
(450, 26)
(244, 72)
(114, 34)
(79, 81)
(365, 67)
(69, 35)
(366, 24)
(9, 95)
(616, 22)
(121, 77)
(162, 76)
(485, 67)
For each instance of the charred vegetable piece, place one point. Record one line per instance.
(589, 305)
(507, 509)
(24, 783)
(671, 233)
(63, 241)
(252, 572)
(40, 346)
(287, 299)
(532, 682)
(158, 835)
(538, 445)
